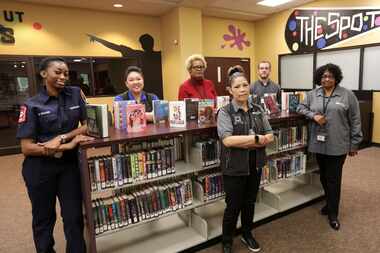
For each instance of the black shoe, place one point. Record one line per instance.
(251, 243)
(227, 248)
(334, 224)
(324, 210)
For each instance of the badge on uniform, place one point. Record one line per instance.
(322, 135)
(22, 116)
(237, 120)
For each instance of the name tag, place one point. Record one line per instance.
(74, 107)
(43, 113)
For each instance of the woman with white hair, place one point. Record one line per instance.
(196, 86)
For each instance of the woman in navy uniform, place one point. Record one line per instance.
(244, 131)
(49, 133)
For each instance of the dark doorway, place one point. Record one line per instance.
(217, 71)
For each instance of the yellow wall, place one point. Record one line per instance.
(64, 30)
(270, 42)
(171, 54)
(269, 39)
(213, 31)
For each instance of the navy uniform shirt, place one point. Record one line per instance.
(144, 100)
(43, 117)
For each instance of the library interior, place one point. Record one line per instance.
(204, 126)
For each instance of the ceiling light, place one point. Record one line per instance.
(117, 5)
(273, 3)
(77, 60)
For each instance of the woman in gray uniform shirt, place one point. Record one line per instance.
(335, 131)
(244, 131)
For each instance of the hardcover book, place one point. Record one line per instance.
(97, 120)
(160, 111)
(136, 120)
(177, 114)
(206, 113)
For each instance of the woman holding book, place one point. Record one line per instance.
(335, 131)
(134, 80)
(49, 133)
(197, 86)
(244, 132)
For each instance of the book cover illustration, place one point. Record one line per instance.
(177, 114)
(120, 113)
(136, 120)
(192, 108)
(206, 113)
(270, 103)
(160, 111)
(222, 101)
(97, 120)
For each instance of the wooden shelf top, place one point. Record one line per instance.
(155, 130)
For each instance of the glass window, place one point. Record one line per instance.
(109, 74)
(14, 90)
(79, 73)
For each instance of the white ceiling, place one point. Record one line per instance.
(235, 9)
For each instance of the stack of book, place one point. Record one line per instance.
(212, 185)
(117, 170)
(287, 138)
(283, 167)
(135, 206)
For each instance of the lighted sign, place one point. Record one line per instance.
(309, 30)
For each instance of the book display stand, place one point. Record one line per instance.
(161, 190)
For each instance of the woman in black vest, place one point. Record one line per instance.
(244, 131)
(134, 80)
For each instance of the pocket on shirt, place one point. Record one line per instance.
(49, 123)
(73, 112)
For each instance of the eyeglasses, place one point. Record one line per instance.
(198, 67)
(331, 77)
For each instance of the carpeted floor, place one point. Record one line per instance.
(302, 231)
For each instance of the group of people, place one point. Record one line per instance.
(49, 132)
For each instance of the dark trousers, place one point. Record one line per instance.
(241, 193)
(46, 179)
(331, 180)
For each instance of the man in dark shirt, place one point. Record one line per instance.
(264, 85)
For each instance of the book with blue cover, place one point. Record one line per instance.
(160, 111)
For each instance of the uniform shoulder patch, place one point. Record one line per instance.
(22, 116)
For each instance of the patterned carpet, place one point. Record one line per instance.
(302, 231)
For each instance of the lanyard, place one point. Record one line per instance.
(328, 100)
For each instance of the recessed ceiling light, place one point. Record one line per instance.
(273, 3)
(117, 5)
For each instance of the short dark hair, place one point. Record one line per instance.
(132, 69)
(233, 73)
(45, 62)
(330, 67)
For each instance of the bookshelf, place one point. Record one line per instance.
(194, 223)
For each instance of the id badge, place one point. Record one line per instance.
(321, 135)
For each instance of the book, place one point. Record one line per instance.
(177, 114)
(222, 101)
(160, 111)
(191, 108)
(97, 120)
(136, 120)
(206, 113)
(120, 113)
(270, 103)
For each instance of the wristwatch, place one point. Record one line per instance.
(257, 139)
(62, 138)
